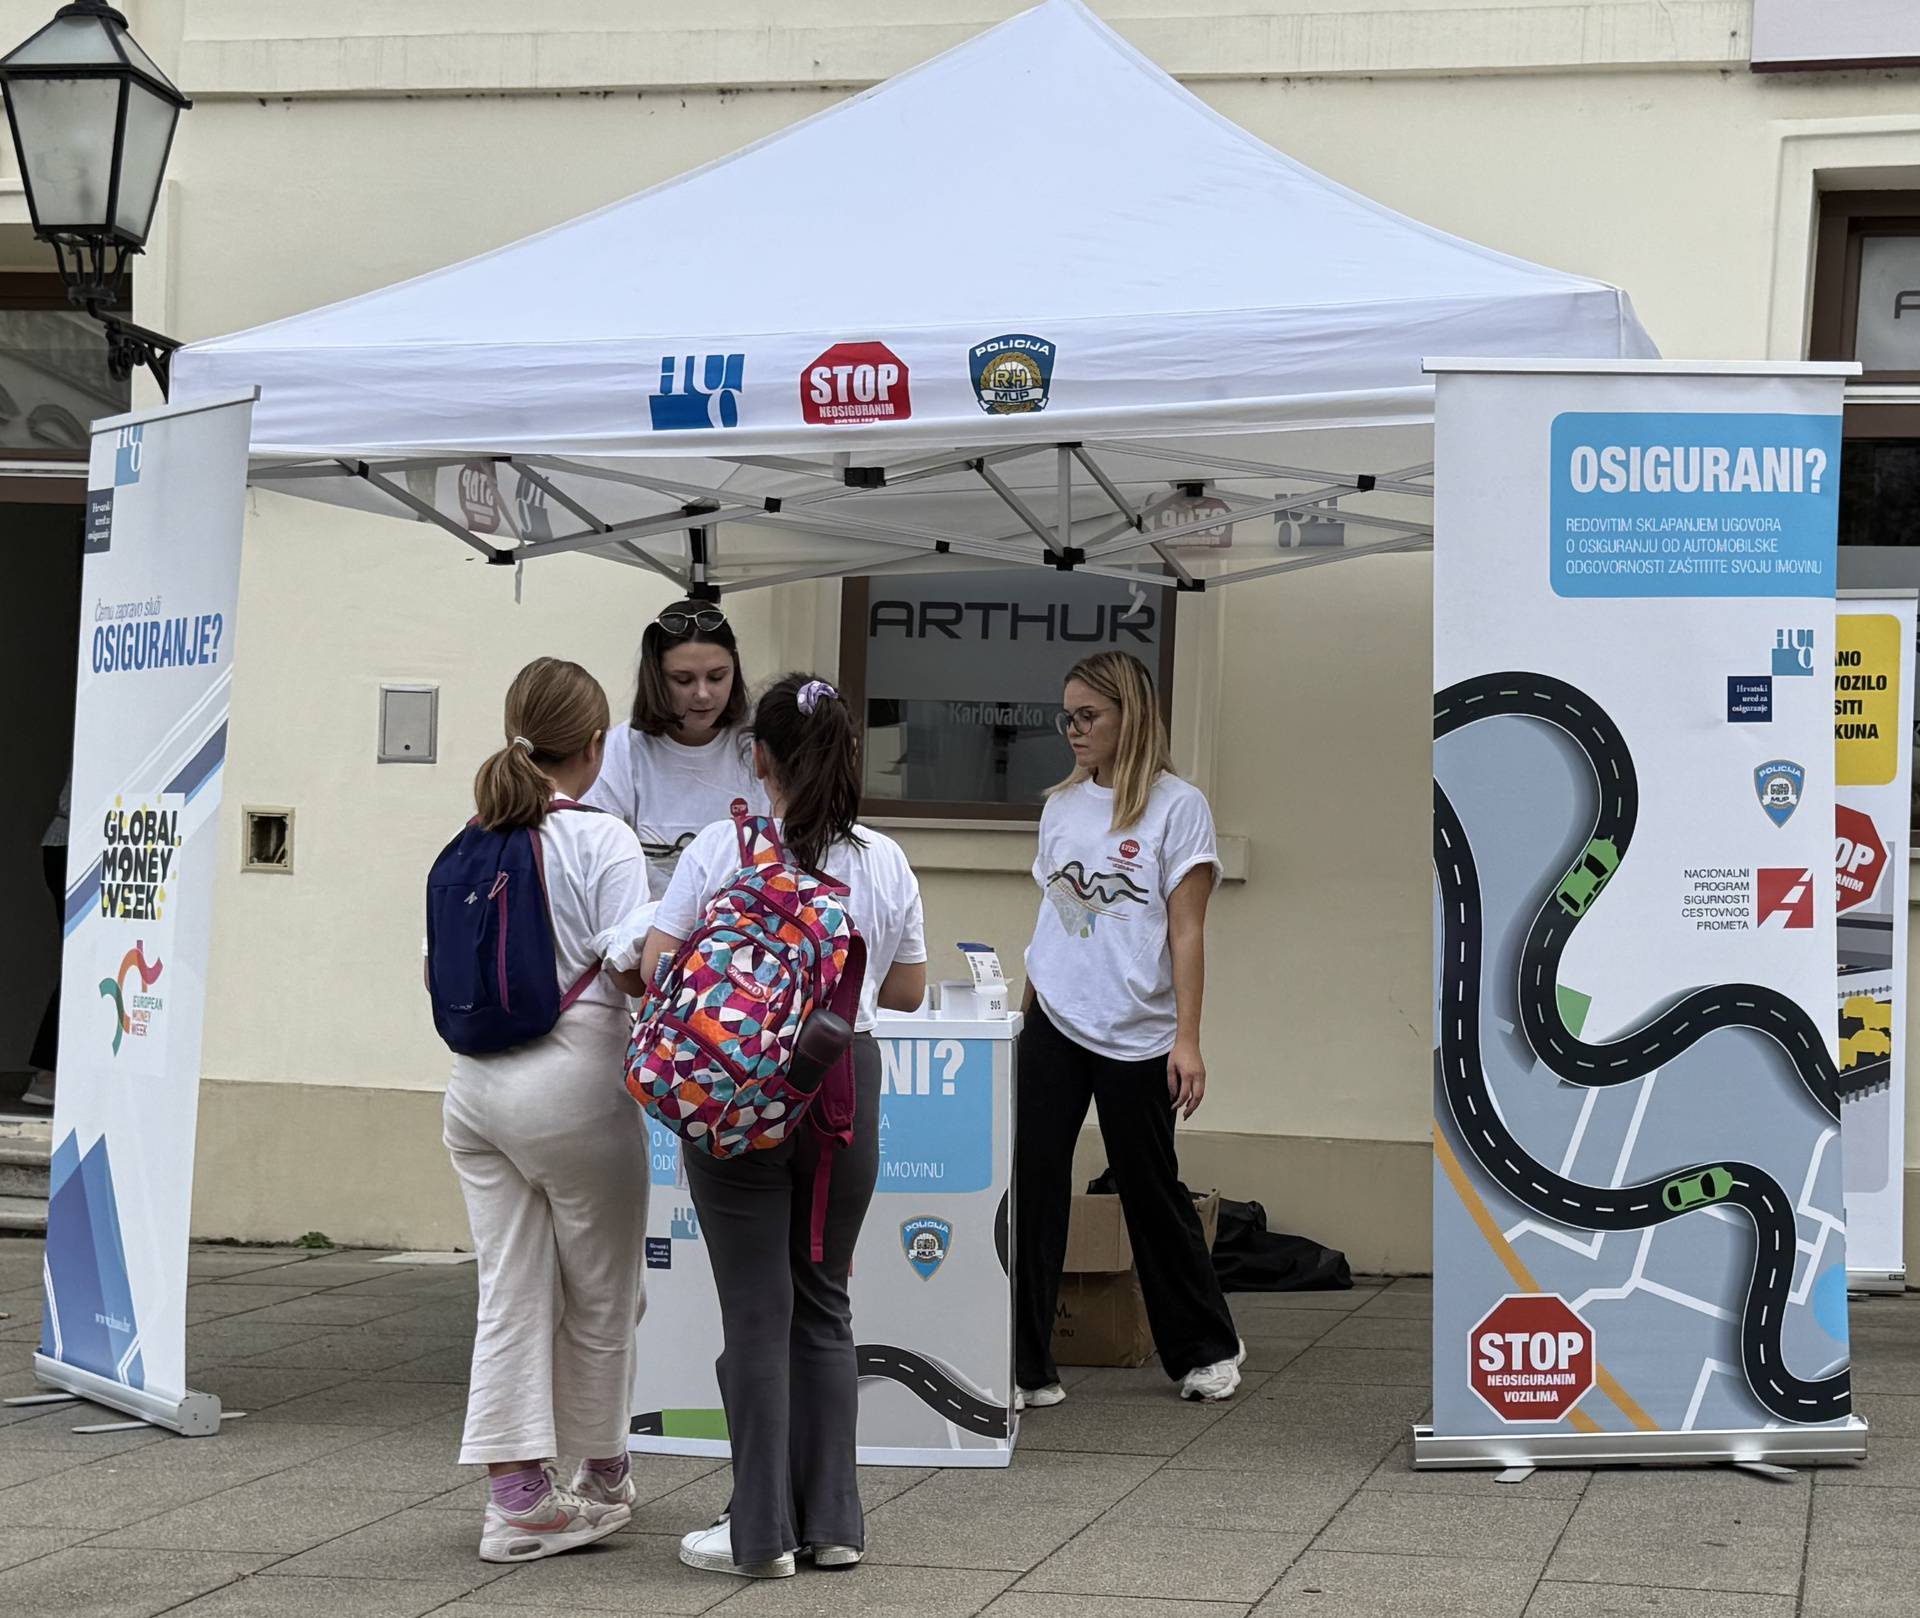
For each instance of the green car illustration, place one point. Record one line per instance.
(1697, 1190)
(1582, 885)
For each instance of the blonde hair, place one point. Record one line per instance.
(554, 711)
(1144, 754)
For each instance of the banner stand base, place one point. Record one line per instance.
(192, 1415)
(1877, 1281)
(867, 1454)
(1778, 1446)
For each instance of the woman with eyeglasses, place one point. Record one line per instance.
(687, 754)
(1115, 975)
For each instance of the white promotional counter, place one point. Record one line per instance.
(932, 1302)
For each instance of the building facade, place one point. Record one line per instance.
(338, 148)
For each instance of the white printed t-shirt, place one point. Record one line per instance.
(1101, 961)
(666, 791)
(596, 879)
(883, 899)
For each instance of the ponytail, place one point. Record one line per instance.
(807, 730)
(554, 710)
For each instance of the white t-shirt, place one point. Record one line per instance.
(666, 791)
(596, 878)
(1100, 959)
(883, 899)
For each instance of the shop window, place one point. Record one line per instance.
(1866, 307)
(53, 373)
(956, 677)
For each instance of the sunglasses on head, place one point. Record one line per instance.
(679, 621)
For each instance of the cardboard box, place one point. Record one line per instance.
(1101, 1318)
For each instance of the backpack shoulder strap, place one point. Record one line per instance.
(758, 837)
(582, 983)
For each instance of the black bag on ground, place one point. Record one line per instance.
(1247, 1257)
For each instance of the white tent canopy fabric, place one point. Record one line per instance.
(1036, 240)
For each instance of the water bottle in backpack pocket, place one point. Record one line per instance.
(492, 972)
(747, 1031)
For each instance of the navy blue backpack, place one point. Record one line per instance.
(491, 968)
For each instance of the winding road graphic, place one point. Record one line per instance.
(928, 1381)
(935, 1387)
(1664, 1037)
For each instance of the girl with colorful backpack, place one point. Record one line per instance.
(759, 948)
(1115, 972)
(551, 1156)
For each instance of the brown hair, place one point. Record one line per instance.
(816, 757)
(554, 711)
(653, 711)
(1144, 754)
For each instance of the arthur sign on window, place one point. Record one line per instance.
(1531, 1358)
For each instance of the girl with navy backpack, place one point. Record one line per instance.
(781, 1222)
(550, 1154)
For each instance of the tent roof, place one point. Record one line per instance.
(1035, 238)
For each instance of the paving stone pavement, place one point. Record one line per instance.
(338, 1495)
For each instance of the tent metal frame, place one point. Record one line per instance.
(815, 505)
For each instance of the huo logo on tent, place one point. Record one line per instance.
(705, 397)
(1011, 374)
(853, 383)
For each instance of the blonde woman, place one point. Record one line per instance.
(551, 1155)
(1115, 975)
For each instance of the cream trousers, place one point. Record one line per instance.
(552, 1158)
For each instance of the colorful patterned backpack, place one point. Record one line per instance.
(714, 1048)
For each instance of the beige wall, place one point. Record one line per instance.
(329, 153)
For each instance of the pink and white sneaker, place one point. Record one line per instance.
(560, 1520)
(591, 1486)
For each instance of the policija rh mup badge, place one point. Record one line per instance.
(925, 1241)
(1011, 374)
(1777, 783)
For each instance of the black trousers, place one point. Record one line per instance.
(789, 1376)
(46, 1043)
(1185, 1308)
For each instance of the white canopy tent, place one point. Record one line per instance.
(1031, 302)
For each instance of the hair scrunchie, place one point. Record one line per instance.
(812, 694)
(521, 741)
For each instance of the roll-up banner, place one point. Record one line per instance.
(166, 497)
(932, 1302)
(1639, 1225)
(1873, 776)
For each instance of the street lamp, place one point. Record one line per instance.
(92, 122)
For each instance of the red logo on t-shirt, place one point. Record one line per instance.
(855, 382)
(1128, 849)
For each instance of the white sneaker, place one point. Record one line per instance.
(592, 1487)
(834, 1556)
(1038, 1398)
(559, 1520)
(711, 1550)
(40, 1092)
(1214, 1382)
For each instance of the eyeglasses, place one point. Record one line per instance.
(705, 619)
(1075, 721)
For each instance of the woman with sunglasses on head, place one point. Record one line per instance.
(1115, 974)
(687, 754)
(787, 1372)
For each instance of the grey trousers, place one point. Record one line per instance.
(787, 1372)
